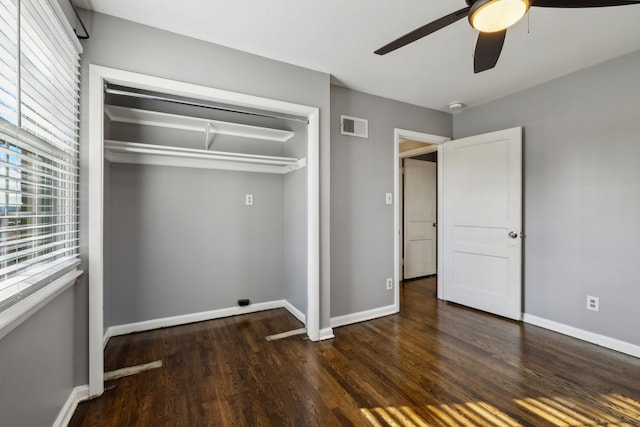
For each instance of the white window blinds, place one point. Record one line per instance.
(9, 60)
(39, 103)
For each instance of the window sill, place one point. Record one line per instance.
(13, 316)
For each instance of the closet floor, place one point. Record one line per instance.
(434, 364)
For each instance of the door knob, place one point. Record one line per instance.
(435, 224)
(513, 234)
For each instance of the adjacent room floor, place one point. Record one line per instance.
(434, 364)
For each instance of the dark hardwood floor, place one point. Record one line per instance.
(434, 364)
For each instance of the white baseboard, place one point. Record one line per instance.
(78, 394)
(581, 334)
(326, 334)
(296, 313)
(362, 316)
(106, 337)
(166, 322)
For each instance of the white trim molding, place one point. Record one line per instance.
(312, 319)
(363, 316)
(77, 395)
(166, 322)
(581, 334)
(326, 334)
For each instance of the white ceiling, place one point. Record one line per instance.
(339, 37)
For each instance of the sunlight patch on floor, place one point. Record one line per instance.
(393, 416)
(465, 415)
(610, 409)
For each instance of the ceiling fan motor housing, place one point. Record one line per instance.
(490, 16)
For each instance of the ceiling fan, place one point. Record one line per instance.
(492, 18)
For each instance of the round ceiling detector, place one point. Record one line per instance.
(456, 106)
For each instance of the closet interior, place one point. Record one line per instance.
(204, 205)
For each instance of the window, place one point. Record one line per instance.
(39, 95)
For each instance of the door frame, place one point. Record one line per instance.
(98, 77)
(398, 135)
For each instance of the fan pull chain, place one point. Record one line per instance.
(529, 23)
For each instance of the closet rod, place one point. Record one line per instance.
(197, 104)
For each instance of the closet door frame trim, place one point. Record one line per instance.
(98, 77)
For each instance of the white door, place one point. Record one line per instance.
(482, 221)
(419, 218)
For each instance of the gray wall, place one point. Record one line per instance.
(581, 193)
(295, 222)
(129, 46)
(37, 365)
(106, 208)
(106, 250)
(361, 174)
(182, 240)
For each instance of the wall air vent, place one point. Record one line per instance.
(353, 126)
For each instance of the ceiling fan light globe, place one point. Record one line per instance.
(489, 16)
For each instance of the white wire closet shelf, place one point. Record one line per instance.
(207, 126)
(139, 153)
(148, 154)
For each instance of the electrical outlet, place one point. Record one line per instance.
(389, 283)
(593, 303)
(389, 198)
(248, 199)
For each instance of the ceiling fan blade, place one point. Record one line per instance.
(581, 3)
(488, 50)
(423, 31)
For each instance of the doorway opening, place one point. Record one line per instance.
(417, 238)
(418, 193)
(479, 218)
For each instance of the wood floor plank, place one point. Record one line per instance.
(433, 364)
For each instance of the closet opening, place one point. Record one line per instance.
(204, 203)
